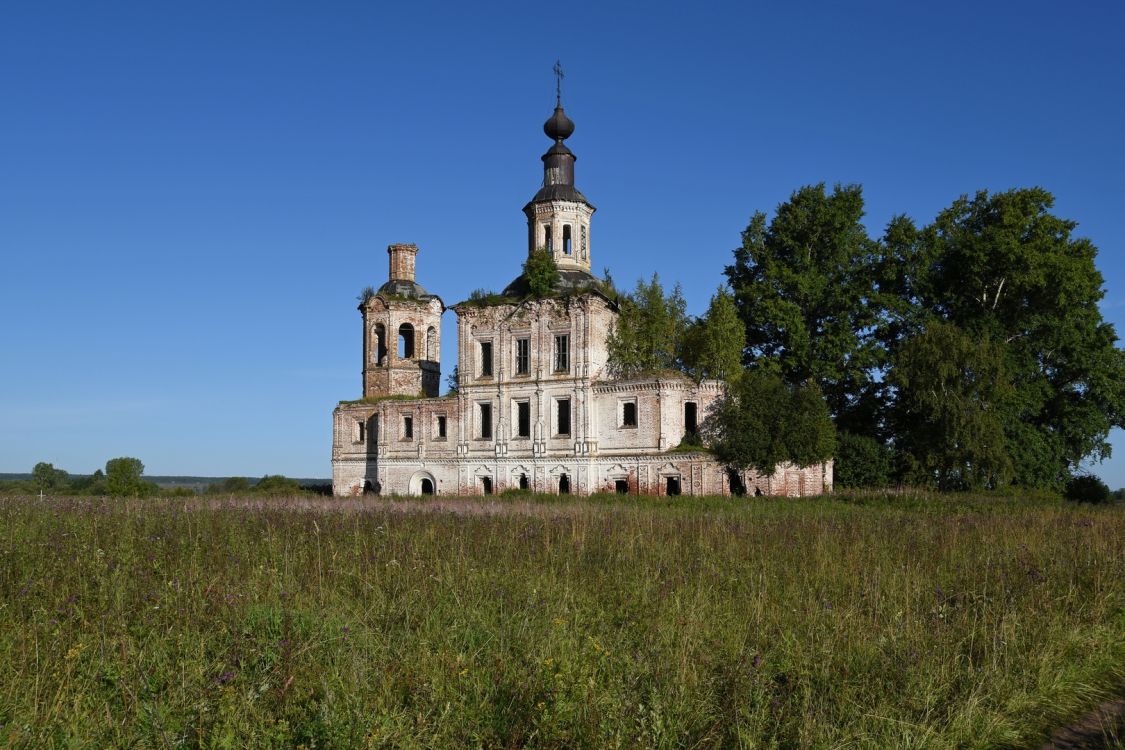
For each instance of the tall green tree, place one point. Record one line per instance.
(123, 478)
(713, 344)
(803, 284)
(46, 478)
(648, 335)
(761, 422)
(952, 391)
(1001, 266)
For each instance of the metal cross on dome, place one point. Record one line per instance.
(558, 83)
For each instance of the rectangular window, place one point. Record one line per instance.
(523, 419)
(562, 353)
(486, 420)
(441, 426)
(523, 356)
(566, 239)
(691, 419)
(407, 428)
(629, 414)
(486, 359)
(547, 237)
(362, 431)
(563, 416)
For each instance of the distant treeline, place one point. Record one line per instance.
(124, 477)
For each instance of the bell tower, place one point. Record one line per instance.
(401, 333)
(558, 217)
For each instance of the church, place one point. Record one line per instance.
(534, 407)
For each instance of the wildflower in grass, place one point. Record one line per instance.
(225, 678)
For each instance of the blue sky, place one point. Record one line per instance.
(193, 194)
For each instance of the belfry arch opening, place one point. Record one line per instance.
(405, 341)
(431, 344)
(380, 344)
(566, 240)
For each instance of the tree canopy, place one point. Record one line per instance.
(802, 285)
(972, 346)
(648, 335)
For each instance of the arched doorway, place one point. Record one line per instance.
(422, 483)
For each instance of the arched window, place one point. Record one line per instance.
(379, 353)
(405, 341)
(547, 237)
(566, 239)
(431, 344)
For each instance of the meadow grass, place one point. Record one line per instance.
(884, 622)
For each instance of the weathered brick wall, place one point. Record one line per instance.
(402, 259)
(391, 374)
(598, 452)
(553, 217)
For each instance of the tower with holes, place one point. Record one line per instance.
(401, 333)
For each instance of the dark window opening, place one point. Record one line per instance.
(523, 482)
(362, 431)
(427, 487)
(486, 485)
(486, 359)
(441, 427)
(408, 428)
(564, 484)
(380, 345)
(562, 353)
(523, 356)
(629, 414)
(672, 486)
(405, 341)
(486, 420)
(370, 488)
(564, 416)
(621, 486)
(737, 486)
(566, 239)
(691, 425)
(547, 237)
(523, 419)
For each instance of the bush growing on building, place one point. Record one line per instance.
(541, 272)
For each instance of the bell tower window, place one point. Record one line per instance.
(547, 237)
(380, 345)
(566, 239)
(405, 341)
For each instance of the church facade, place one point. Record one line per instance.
(535, 407)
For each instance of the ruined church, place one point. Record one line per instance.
(535, 406)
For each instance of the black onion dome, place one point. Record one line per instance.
(558, 125)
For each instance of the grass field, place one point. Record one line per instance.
(904, 622)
